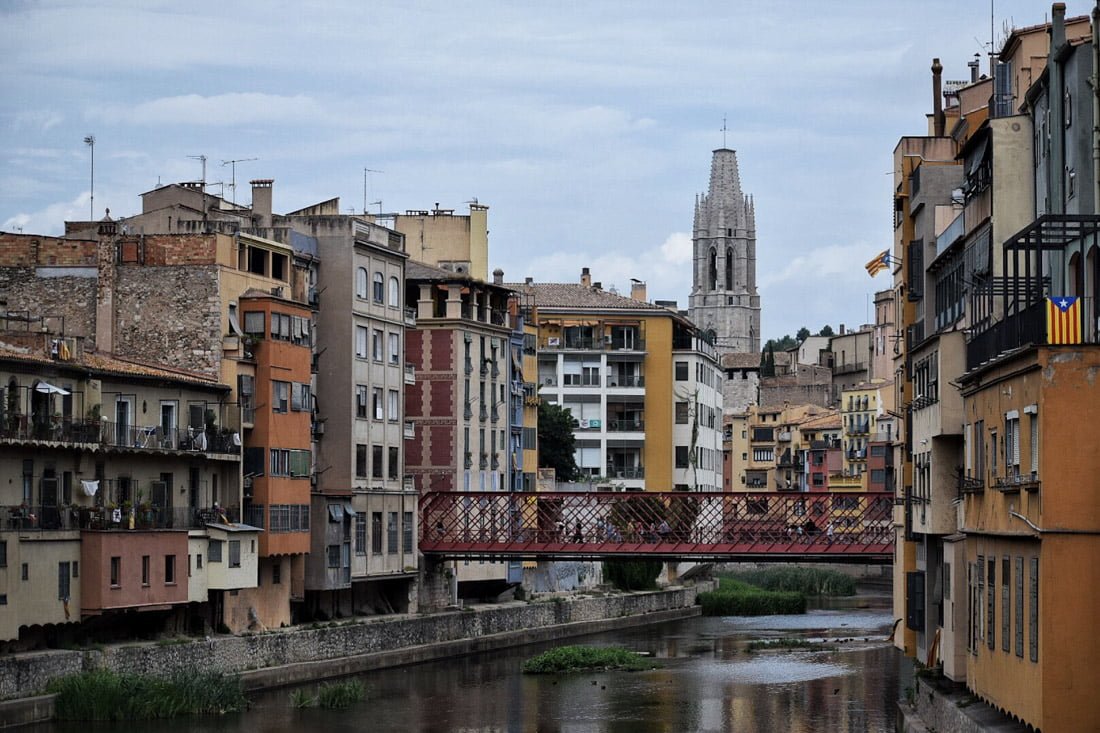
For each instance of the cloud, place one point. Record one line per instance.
(232, 109)
(49, 219)
(39, 120)
(678, 249)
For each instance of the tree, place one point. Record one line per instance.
(767, 361)
(556, 441)
(826, 330)
(803, 334)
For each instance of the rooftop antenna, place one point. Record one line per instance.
(366, 177)
(203, 189)
(233, 176)
(89, 140)
(377, 203)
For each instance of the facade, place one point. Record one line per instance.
(363, 558)
(723, 294)
(458, 407)
(645, 389)
(445, 240)
(861, 407)
(849, 356)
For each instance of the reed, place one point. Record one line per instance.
(565, 659)
(107, 695)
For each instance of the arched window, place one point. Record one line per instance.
(395, 292)
(379, 288)
(712, 271)
(729, 269)
(361, 283)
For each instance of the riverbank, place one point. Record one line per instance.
(930, 708)
(304, 653)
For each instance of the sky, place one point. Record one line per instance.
(586, 127)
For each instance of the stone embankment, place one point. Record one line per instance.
(304, 653)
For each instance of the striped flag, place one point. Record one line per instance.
(879, 263)
(1063, 320)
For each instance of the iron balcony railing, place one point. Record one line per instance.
(123, 516)
(18, 427)
(626, 380)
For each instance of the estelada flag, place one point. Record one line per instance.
(1063, 319)
(879, 263)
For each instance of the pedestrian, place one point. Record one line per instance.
(829, 532)
(577, 536)
(663, 530)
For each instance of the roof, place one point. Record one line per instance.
(748, 360)
(421, 271)
(576, 295)
(104, 365)
(830, 421)
(233, 527)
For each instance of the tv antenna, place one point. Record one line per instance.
(233, 176)
(377, 203)
(366, 178)
(203, 159)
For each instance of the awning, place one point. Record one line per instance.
(47, 388)
(335, 512)
(978, 156)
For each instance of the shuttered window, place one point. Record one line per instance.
(1033, 610)
(1019, 607)
(1006, 605)
(991, 604)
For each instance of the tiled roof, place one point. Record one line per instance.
(740, 361)
(824, 422)
(421, 271)
(109, 366)
(575, 295)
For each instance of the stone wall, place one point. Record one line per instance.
(26, 675)
(931, 709)
(169, 315)
(72, 297)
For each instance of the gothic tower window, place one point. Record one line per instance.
(729, 269)
(712, 271)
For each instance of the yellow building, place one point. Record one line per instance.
(446, 240)
(644, 388)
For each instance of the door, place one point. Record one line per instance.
(122, 422)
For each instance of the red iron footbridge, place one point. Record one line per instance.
(854, 527)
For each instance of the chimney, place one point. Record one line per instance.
(261, 202)
(637, 289)
(974, 65)
(842, 329)
(498, 276)
(586, 277)
(939, 121)
(597, 285)
(529, 280)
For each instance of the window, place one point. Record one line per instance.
(333, 552)
(379, 288)
(198, 561)
(1033, 610)
(376, 345)
(394, 463)
(407, 533)
(391, 533)
(277, 573)
(280, 396)
(4, 554)
(1006, 615)
(361, 400)
(299, 397)
(376, 533)
(214, 551)
(234, 553)
(254, 323)
(1012, 444)
(394, 348)
(145, 570)
(681, 371)
(394, 405)
(762, 454)
(376, 402)
(377, 469)
(682, 456)
(1033, 426)
(169, 569)
(361, 283)
(361, 534)
(360, 461)
(395, 292)
(878, 476)
(280, 462)
(990, 602)
(1019, 607)
(63, 580)
(361, 342)
(681, 413)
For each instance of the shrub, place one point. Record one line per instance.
(106, 695)
(632, 574)
(340, 694)
(811, 581)
(586, 658)
(751, 603)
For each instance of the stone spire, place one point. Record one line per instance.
(723, 206)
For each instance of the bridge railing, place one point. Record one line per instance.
(651, 523)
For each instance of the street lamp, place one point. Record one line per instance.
(89, 140)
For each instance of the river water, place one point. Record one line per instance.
(707, 681)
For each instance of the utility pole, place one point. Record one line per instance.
(89, 140)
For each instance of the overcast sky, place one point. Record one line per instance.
(586, 127)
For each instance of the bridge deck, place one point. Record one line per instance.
(766, 527)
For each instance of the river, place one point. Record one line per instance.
(707, 681)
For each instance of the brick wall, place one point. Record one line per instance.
(28, 250)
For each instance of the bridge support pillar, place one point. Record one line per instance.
(438, 584)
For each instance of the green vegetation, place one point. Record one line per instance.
(106, 695)
(586, 658)
(556, 441)
(810, 581)
(789, 643)
(632, 574)
(330, 695)
(737, 598)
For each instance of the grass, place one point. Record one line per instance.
(738, 598)
(566, 659)
(107, 695)
(789, 643)
(809, 581)
(330, 695)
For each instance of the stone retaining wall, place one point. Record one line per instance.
(26, 675)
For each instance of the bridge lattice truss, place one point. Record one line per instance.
(792, 527)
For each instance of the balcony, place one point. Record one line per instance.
(626, 381)
(1012, 483)
(626, 426)
(971, 485)
(410, 317)
(107, 434)
(64, 518)
(410, 374)
(626, 472)
(410, 430)
(850, 368)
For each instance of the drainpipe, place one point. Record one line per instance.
(1096, 109)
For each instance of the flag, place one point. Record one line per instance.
(1063, 319)
(879, 263)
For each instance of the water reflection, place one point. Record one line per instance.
(707, 682)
